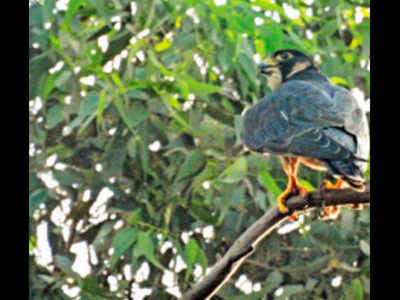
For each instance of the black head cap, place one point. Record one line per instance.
(288, 59)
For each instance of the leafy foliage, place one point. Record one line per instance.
(134, 140)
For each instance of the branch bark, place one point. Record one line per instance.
(246, 244)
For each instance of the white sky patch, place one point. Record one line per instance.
(118, 224)
(35, 45)
(164, 247)
(103, 43)
(47, 25)
(93, 51)
(93, 256)
(113, 283)
(175, 291)
(220, 2)
(143, 272)
(244, 284)
(187, 105)
(279, 292)
(51, 160)
(124, 53)
(256, 8)
(309, 34)
(317, 58)
(139, 293)
(77, 69)
(70, 291)
(68, 99)
(133, 8)
(168, 278)
(81, 264)
(336, 281)
(256, 287)
(198, 272)
(177, 264)
(35, 105)
(206, 184)
(358, 16)
(155, 146)
(58, 66)
(291, 12)
(185, 236)
(112, 131)
(141, 56)
(88, 80)
(259, 21)
(48, 179)
(86, 195)
(208, 232)
(116, 62)
(98, 210)
(62, 5)
(308, 2)
(143, 34)
(42, 252)
(192, 13)
(257, 58)
(98, 167)
(133, 40)
(66, 130)
(309, 12)
(60, 166)
(274, 15)
(115, 19)
(127, 271)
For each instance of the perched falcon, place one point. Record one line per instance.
(307, 119)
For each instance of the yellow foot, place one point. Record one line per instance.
(332, 212)
(292, 190)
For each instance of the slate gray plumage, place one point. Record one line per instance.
(308, 116)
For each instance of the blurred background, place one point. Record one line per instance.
(138, 181)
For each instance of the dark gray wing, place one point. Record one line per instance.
(305, 119)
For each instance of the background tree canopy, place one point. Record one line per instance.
(137, 178)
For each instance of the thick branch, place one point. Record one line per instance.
(246, 244)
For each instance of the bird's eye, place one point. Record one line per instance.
(284, 56)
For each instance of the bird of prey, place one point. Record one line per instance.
(307, 119)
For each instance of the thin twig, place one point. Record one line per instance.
(247, 243)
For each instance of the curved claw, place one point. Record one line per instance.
(331, 212)
(293, 189)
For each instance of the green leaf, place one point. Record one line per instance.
(269, 182)
(73, 6)
(145, 246)
(64, 263)
(121, 242)
(202, 214)
(189, 84)
(193, 164)
(194, 254)
(54, 116)
(357, 292)
(235, 172)
(364, 246)
(36, 198)
(136, 114)
(248, 66)
(291, 289)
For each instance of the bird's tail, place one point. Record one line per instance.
(349, 171)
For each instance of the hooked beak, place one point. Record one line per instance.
(266, 65)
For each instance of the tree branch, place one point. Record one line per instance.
(246, 244)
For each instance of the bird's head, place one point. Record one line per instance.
(283, 64)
